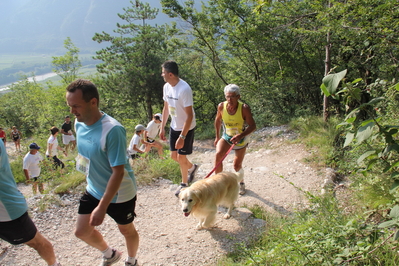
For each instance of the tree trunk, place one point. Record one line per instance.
(327, 70)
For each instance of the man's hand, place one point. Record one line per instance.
(236, 139)
(97, 216)
(162, 135)
(179, 143)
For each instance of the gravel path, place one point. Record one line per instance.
(167, 237)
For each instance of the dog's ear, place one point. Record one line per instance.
(196, 195)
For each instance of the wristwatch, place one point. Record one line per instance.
(183, 137)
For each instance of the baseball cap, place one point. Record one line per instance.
(34, 146)
(139, 127)
(159, 115)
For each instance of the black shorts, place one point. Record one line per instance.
(150, 140)
(122, 213)
(135, 156)
(18, 231)
(188, 142)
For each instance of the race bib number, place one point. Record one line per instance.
(82, 164)
(172, 111)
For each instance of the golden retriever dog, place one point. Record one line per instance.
(203, 197)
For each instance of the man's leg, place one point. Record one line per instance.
(131, 238)
(41, 187)
(184, 164)
(34, 188)
(221, 148)
(238, 159)
(160, 148)
(43, 247)
(67, 148)
(73, 145)
(173, 155)
(88, 233)
(65, 141)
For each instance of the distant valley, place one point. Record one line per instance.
(34, 30)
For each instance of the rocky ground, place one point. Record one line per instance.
(167, 237)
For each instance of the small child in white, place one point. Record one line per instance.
(31, 166)
(134, 147)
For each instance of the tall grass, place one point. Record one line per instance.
(318, 136)
(150, 167)
(320, 235)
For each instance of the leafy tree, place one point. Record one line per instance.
(67, 66)
(275, 70)
(131, 65)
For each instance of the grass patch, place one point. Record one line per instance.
(69, 182)
(207, 131)
(319, 136)
(150, 167)
(17, 170)
(320, 235)
(324, 233)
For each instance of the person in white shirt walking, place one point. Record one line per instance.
(52, 147)
(31, 165)
(178, 103)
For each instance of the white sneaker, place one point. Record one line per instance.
(129, 264)
(116, 256)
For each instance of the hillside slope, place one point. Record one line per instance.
(167, 237)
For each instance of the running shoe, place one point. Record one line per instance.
(177, 192)
(116, 256)
(191, 174)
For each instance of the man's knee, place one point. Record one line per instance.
(39, 242)
(128, 230)
(182, 159)
(173, 155)
(81, 233)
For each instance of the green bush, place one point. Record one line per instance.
(319, 235)
(149, 167)
(17, 170)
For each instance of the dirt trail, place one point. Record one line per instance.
(167, 237)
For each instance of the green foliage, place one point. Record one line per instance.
(131, 83)
(323, 138)
(67, 66)
(52, 176)
(206, 132)
(69, 181)
(150, 167)
(320, 235)
(17, 170)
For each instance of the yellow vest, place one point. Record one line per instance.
(233, 124)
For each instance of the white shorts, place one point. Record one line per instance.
(67, 138)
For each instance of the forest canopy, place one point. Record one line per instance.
(277, 52)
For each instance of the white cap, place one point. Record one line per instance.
(139, 127)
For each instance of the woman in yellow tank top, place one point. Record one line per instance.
(238, 123)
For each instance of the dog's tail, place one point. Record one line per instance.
(240, 175)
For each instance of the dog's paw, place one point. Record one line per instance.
(199, 226)
(227, 216)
